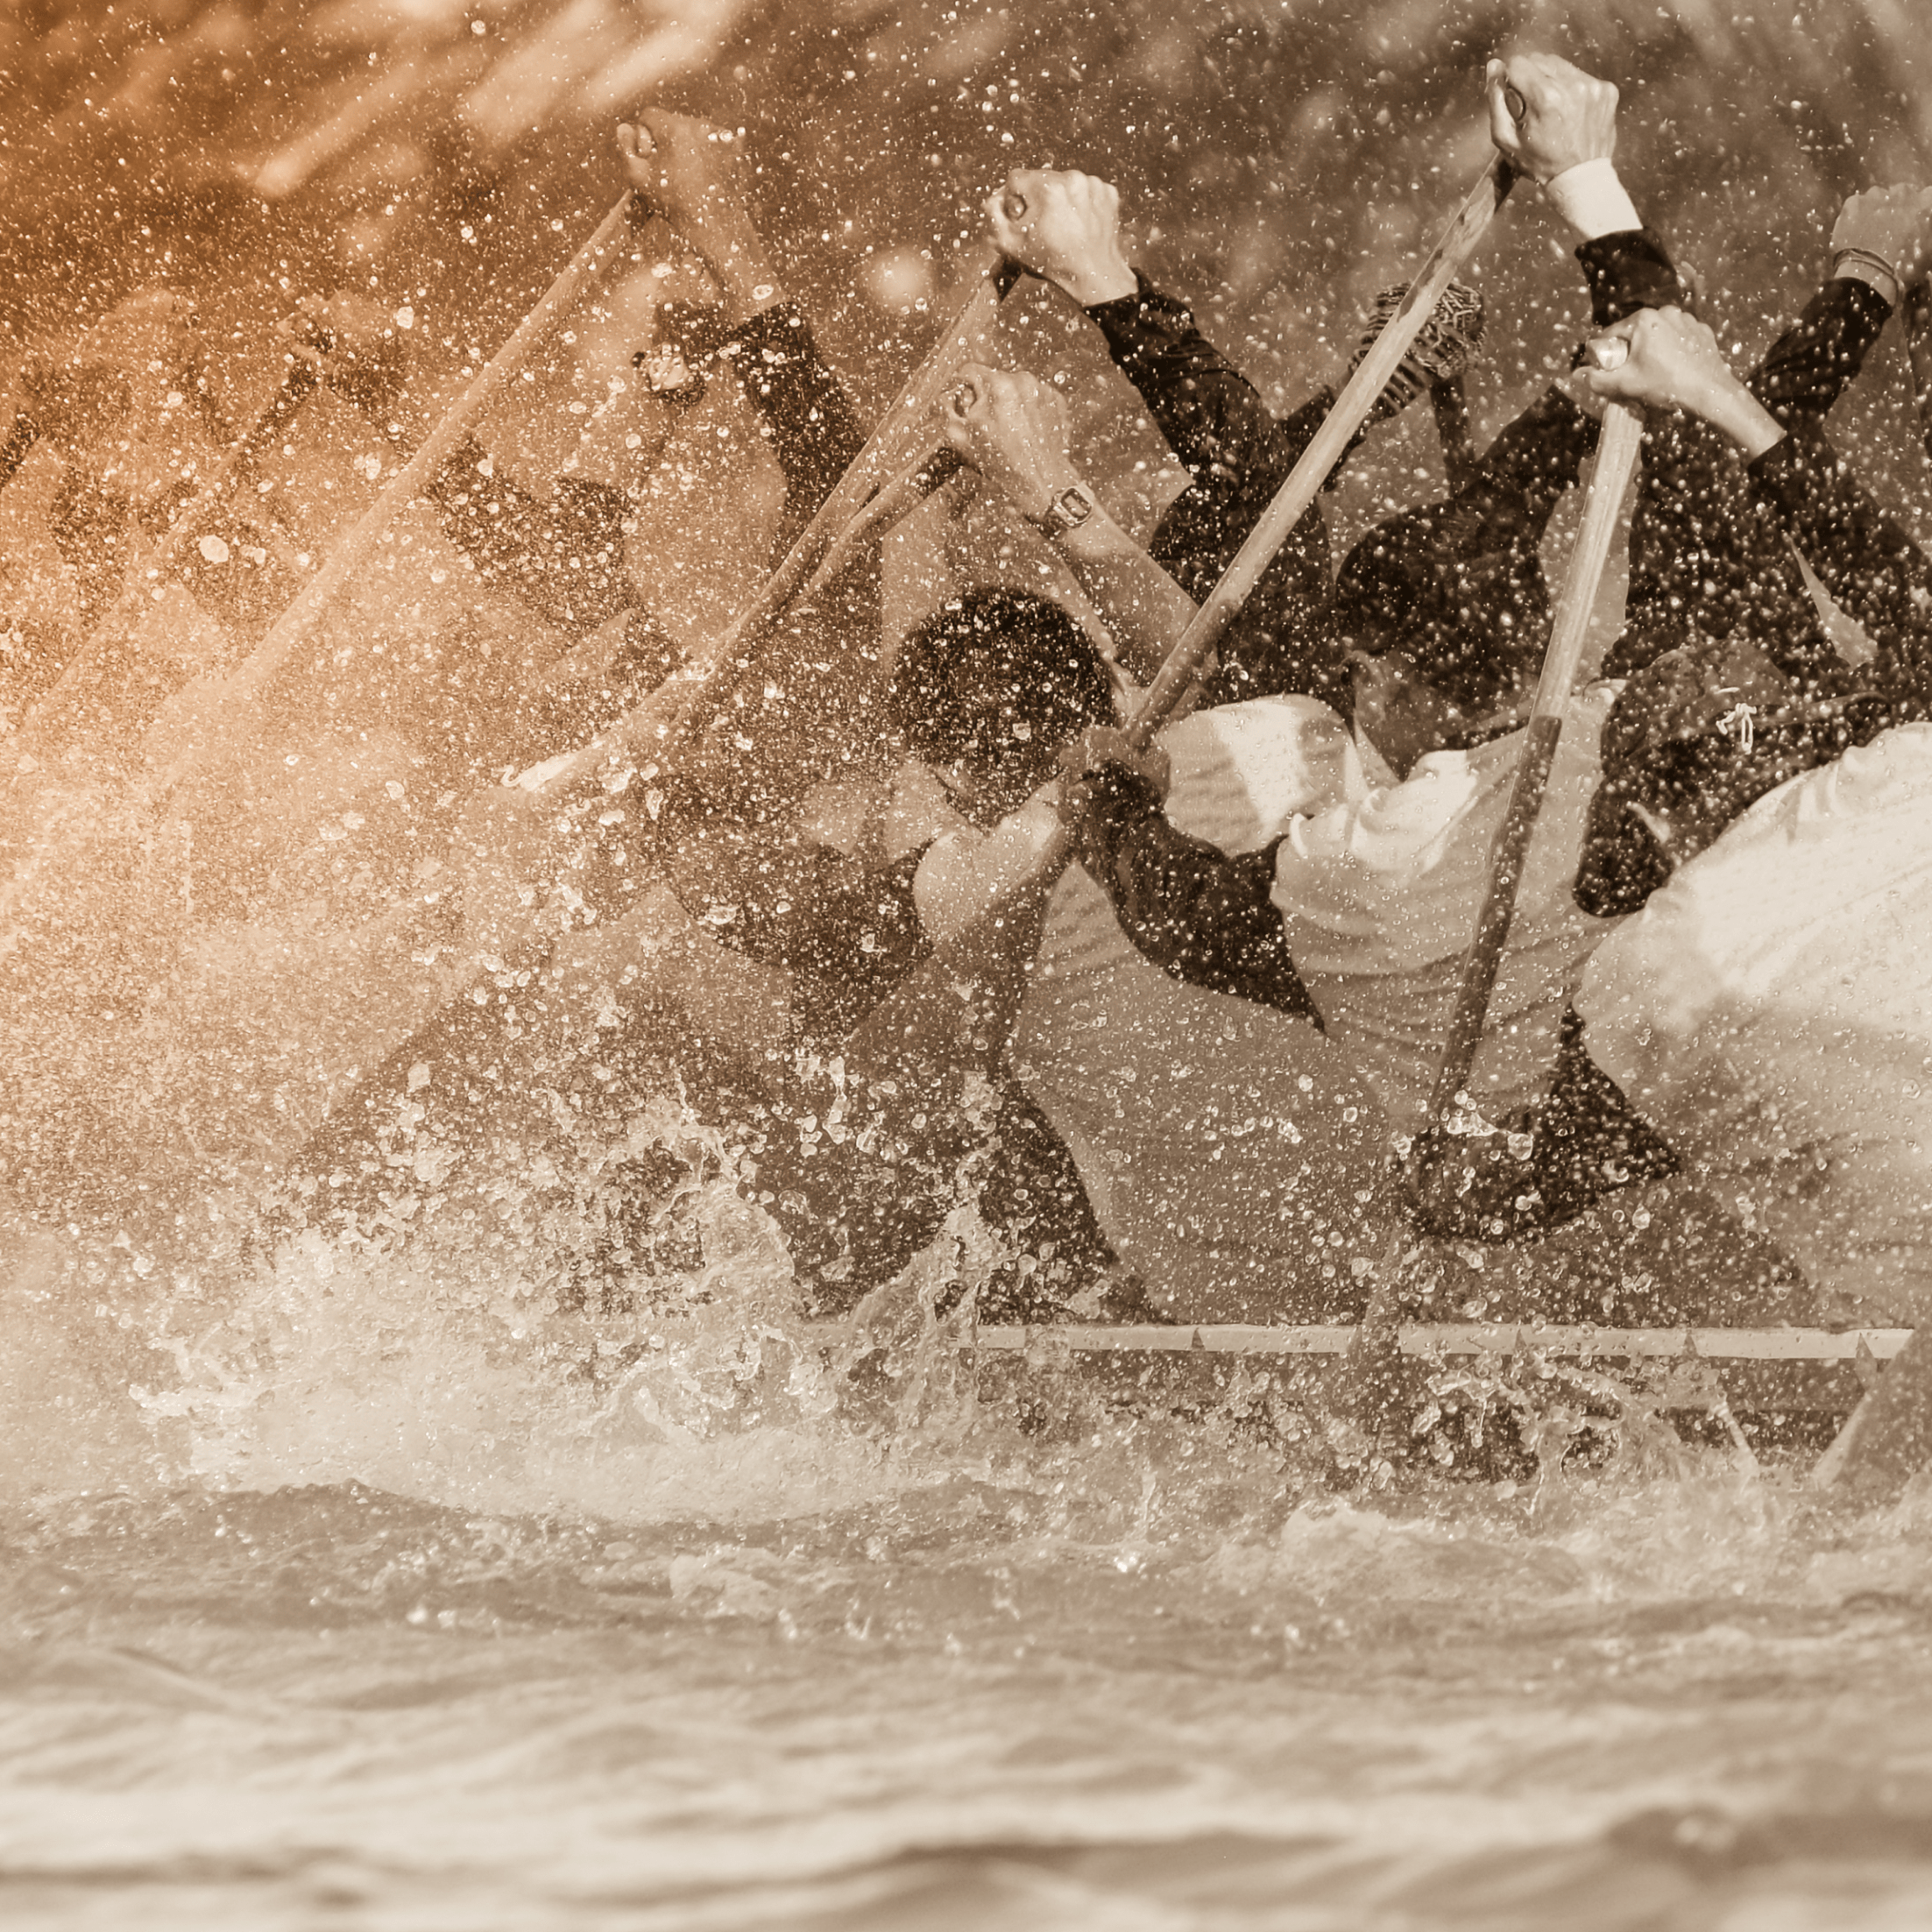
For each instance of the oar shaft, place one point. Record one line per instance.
(1616, 452)
(668, 710)
(295, 623)
(699, 703)
(922, 478)
(1330, 443)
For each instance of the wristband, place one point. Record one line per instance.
(1066, 511)
(1591, 199)
(1862, 258)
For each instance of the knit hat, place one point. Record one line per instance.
(1442, 350)
(998, 681)
(1694, 738)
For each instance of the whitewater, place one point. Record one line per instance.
(516, 1556)
(401, 1603)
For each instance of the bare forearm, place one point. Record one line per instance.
(1733, 411)
(1144, 608)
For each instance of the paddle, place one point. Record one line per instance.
(1617, 453)
(854, 511)
(106, 646)
(1888, 1438)
(926, 1015)
(831, 534)
(236, 706)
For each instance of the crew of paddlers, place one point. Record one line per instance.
(1234, 1002)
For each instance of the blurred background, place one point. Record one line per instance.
(1280, 157)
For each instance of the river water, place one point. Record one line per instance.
(373, 1587)
(397, 1608)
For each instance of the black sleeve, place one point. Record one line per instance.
(1628, 270)
(1702, 556)
(1817, 359)
(564, 556)
(1238, 455)
(813, 426)
(1200, 916)
(21, 438)
(1537, 456)
(1212, 416)
(1862, 556)
(1621, 862)
(1589, 1140)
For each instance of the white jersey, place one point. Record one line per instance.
(1380, 892)
(1221, 1142)
(1770, 1012)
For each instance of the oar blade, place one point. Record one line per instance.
(1888, 1440)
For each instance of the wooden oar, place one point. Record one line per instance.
(1888, 1440)
(924, 477)
(667, 710)
(1616, 452)
(106, 646)
(990, 946)
(1330, 443)
(237, 704)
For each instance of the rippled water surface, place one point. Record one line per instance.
(705, 1636)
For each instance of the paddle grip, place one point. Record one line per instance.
(1616, 452)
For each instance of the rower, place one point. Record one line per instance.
(584, 549)
(1064, 226)
(1361, 914)
(127, 409)
(1764, 1012)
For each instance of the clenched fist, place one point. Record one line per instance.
(1566, 116)
(1893, 224)
(1064, 226)
(1011, 428)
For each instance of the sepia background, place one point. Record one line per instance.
(477, 1571)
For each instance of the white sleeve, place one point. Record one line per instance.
(965, 874)
(1591, 199)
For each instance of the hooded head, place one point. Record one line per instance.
(996, 683)
(1694, 737)
(1457, 589)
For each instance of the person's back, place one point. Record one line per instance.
(1223, 1145)
(1766, 1011)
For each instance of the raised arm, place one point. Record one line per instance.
(1865, 558)
(1558, 126)
(1012, 427)
(1064, 226)
(1873, 246)
(689, 173)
